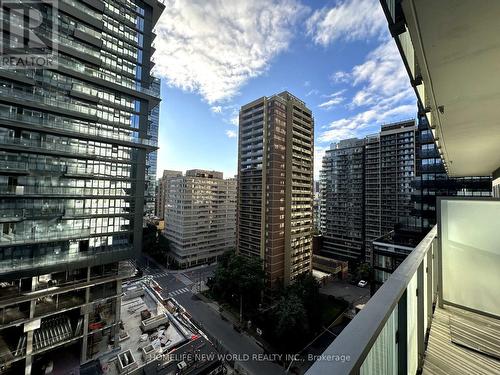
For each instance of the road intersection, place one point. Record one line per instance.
(182, 285)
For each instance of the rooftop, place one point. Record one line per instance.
(401, 238)
(156, 337)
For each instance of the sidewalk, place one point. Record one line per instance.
(225, 315)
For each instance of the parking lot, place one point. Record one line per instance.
(351, 293)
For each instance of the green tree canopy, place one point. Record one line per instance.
(291, 323)
(238, 276)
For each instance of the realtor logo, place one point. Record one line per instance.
(29, 34)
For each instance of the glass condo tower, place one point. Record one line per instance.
(74, 140)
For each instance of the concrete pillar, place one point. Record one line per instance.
(83, 356)
(118, 313)
(29, 350)
(28, 328)
(85, 312)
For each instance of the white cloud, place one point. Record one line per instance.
(348, 127)
(368, 121)
(313, 92)
(334, 99)
(319, 152)
(340, 77)
(235, 120)
(215, 47)
(216, 109)
(382, 94)
(329, 104)
(382, 75)
(348, 20)
(335, 94)
(231, 133)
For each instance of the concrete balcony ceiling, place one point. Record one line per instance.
(457, 45)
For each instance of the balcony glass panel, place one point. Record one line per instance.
(408, 50)
(411, 321)
(461, 264)
(426, 291)
(470, 239)
(421, 93)
(383, 356)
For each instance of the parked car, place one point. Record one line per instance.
(362, 283)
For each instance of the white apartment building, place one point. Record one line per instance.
(200, 217)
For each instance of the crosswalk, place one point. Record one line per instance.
(178, 291)
(158, 275)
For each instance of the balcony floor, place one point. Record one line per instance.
(444, 357)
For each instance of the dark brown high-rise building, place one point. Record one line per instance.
(275, 185)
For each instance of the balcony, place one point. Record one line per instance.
(439, 312)
(75, 149)
(94, 256)
(42, 99)
(13, 167)
(439, 60)
(20, 214)
(436, 168)
(56, 233)
(56, 191)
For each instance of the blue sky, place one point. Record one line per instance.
(214, 56)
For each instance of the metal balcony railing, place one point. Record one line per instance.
(373, 340)
(40, 96)
(57, 122)
(74, 148)
(62, 257)
(452, 274)
(56, 191)
(83, 8)
(55, 234)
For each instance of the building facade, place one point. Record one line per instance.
(389, 169)
(275, 186)
(161, 192)
(432, 181)
(73, 149)
(151, 157)
(317, 207)
(200, 217)
(342, 179)
(496, 183)
(372, 190)
(366, 190)
(389, 251)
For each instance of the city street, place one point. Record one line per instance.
(180, 285)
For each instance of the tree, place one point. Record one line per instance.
(248, 276)
(238, 277)
(290, 321)
(363, 271)
(306, 288)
